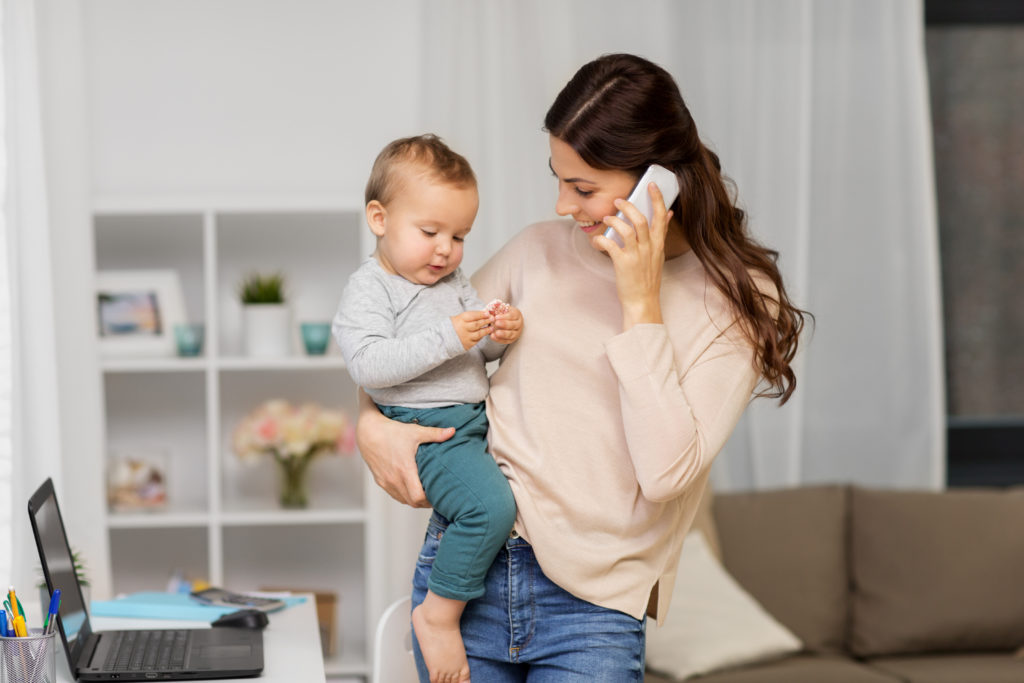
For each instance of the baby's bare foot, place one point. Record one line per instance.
(441, 644)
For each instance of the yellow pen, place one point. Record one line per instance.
(19, 626)
(13, 599)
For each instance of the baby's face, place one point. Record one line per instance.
(422, 229)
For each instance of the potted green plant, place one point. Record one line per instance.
(265, 315)
(260, 288)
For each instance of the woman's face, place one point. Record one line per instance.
(584, 192)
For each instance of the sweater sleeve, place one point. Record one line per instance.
(364, 328)
(676, 421)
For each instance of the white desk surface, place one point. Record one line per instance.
(291, 644)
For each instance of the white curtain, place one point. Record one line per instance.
(29, 418)
(819, 112)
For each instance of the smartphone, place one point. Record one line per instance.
(226, 598)
(665, 180)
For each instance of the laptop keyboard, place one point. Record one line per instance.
(162, 650)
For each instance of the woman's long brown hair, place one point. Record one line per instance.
(623, 112)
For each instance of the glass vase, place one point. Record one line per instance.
(293, 493)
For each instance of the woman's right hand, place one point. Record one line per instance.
(389, 449)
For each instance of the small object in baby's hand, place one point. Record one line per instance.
(496, 307)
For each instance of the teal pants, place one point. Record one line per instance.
(464, 485)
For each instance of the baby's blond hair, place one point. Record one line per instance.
(429, 153)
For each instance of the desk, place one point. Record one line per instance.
(291, 644)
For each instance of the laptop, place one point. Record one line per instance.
(158, 654)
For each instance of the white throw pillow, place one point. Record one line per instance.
(712, 622)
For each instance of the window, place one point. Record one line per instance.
(975, 54)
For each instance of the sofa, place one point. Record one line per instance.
(874, 586)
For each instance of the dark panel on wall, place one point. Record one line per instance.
(985, 452)
(976, 78)
(937, 12)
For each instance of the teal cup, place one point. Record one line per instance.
(315, 337)
(189, 338)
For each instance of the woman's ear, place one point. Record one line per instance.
(376, 217)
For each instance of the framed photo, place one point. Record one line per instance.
(137, 480)
(136, 311)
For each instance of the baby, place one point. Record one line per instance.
(415, 336)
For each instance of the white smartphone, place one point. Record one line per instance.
(665, 180)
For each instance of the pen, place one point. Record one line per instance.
(51, 615)
(19, 627)
(3, 623)
(12, 599)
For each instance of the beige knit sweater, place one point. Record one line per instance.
(606, 436)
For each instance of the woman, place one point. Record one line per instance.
(633, 370)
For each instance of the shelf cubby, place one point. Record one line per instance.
(222, 522)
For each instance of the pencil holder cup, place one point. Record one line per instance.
(30, 659)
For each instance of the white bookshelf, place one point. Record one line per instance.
(222, 522)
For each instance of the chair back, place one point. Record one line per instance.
(393, 660)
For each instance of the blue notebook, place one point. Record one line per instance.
(159, 605)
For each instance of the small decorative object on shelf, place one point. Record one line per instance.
(293, 436)
(189, 337)
(137, 481)
(315, 337)
(266, 318)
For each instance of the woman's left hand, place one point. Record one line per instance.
(638, 262)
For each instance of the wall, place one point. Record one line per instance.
(241, 97)
(195, 100)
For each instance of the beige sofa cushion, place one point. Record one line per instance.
(935, 572)
(712, 622)
(797, 669)
(788, 549)
(963, 668)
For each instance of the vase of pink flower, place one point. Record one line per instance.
(293, 436)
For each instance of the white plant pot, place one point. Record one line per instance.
(267, 329)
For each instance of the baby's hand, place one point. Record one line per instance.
(471, 326)
(508, 323)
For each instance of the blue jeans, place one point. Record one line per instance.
(525, 628)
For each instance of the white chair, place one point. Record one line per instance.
(392, 646)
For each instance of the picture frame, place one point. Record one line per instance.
(136, 311)
(137, 479)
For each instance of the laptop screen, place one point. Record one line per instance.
(58, 567)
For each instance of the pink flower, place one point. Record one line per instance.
(347, 440)
(267, 429)
(277, 428)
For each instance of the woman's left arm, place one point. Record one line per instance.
(675, 424)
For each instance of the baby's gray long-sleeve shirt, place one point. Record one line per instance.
(400, 345)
